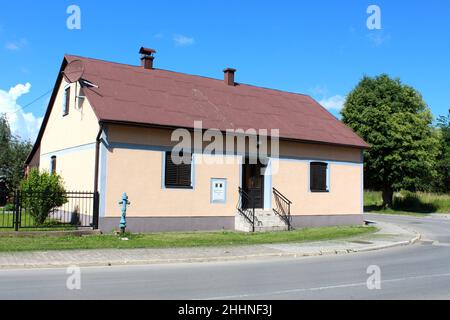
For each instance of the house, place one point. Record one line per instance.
(109, 128)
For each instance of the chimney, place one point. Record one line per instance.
(147, 57)
(229, 76)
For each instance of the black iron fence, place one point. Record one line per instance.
(7, 210)
(37, 210)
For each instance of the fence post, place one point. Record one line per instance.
(254, 211)
(95, 214)
(17, 210)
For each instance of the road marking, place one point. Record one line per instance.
(341, 286)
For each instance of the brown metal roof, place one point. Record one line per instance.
(132, 94)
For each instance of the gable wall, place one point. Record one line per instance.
(71, 139)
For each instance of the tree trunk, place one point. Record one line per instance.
(388, 195)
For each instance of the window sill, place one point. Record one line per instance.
(320, 191)
(178, 188)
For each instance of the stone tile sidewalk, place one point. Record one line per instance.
(389, 235)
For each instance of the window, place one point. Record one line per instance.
(319, 177)
(66, 101)
(53, 165)
(178, 175)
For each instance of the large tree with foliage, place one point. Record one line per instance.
(13, 153)
(395, 120)
(442, 183)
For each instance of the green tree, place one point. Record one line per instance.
(13, 153)
(41, 193)
(5, 152)
(395, 120)
(442, 183)
(19, 153)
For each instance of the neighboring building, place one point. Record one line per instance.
(110, 131)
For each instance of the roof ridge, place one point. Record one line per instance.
(191, 75)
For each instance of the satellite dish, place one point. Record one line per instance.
(74, 71)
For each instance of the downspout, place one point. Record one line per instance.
(97, 157)
(96, 213)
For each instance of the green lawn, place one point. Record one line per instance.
(177, 240)
(6, 223)
(6, 218)
(408, 203)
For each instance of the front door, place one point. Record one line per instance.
(253, 184)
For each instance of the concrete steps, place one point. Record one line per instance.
(266, 221)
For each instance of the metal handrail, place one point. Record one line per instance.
(249, 211)
(283, 207)
(281, 195)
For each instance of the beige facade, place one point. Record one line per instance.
(139, 173)
(345, 194)
(135, 165)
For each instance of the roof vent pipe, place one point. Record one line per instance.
(147, 57)
(229, 76)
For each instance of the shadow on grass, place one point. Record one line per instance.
(406, 202)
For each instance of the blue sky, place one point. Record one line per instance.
(321, 47)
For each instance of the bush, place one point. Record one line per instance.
(8, 207)
(41, 193)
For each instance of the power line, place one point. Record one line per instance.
(32, 102)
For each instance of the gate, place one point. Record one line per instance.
(41, 210)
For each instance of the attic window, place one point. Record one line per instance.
(66, 101)
(53, 165)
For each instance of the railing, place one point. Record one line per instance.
(246, 207)
(41, 210)
(283, 207)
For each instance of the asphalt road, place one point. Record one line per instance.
(421, 271)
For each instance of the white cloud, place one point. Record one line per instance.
(183, 41)
(12, 46)
(333, 103)
(377, 38)
(16, 45)
(319, 90)
(25, 125)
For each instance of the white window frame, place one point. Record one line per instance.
(163, 174)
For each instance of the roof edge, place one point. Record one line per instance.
(158, 126)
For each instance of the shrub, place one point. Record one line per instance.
(8, 207)
(42, 193)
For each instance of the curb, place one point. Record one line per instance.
(211, 259)
(391, 245)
